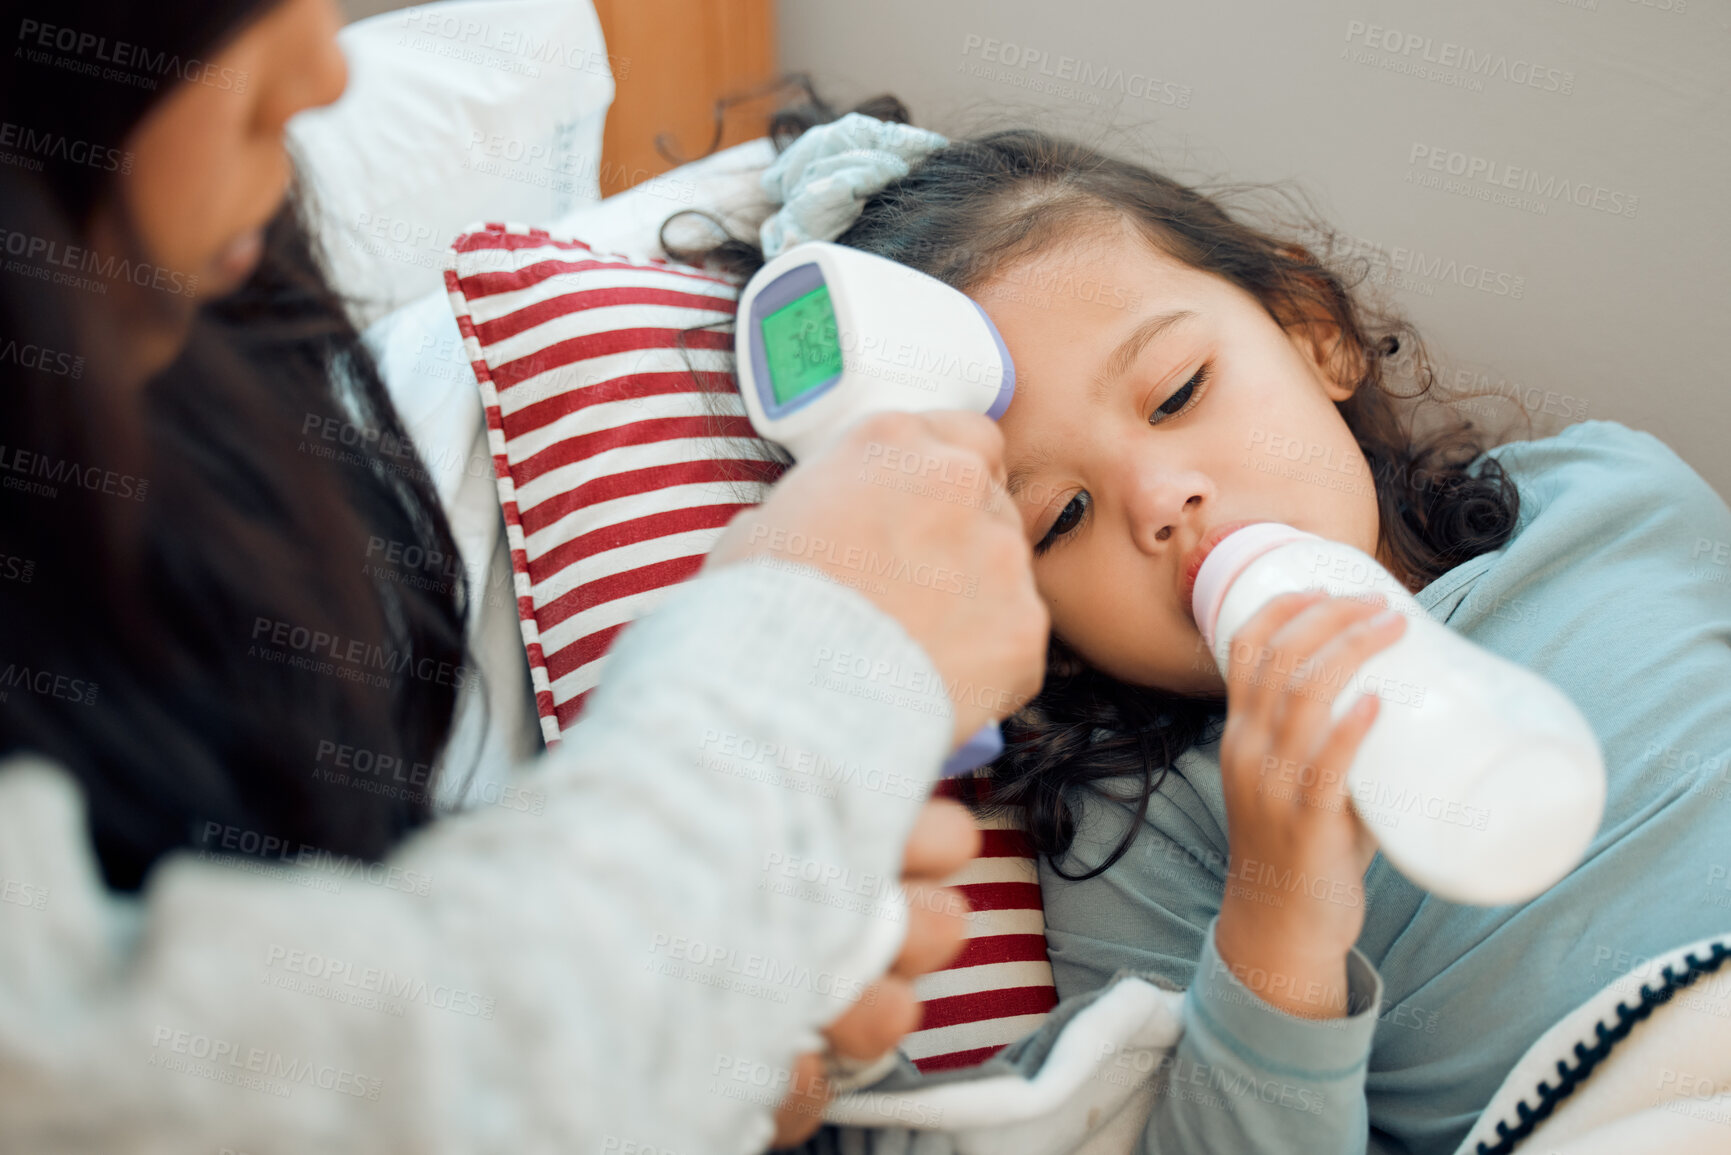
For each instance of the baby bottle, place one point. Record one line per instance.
(1480, 780)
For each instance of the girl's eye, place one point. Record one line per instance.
(1180, 400)
(1068, 518)
(1072, 514)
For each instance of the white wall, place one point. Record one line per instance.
(1618, 316)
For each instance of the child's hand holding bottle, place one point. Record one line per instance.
(1294, 901)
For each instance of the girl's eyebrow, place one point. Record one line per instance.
(1125, 354)
(1018, 477)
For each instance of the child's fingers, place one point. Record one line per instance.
(1249, 697)
(1252, 637)
(1275, 670)
(1327, 672)
(1341, 747)
(1333, 761)
(1318, 625)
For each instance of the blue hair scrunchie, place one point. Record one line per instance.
(823, 179)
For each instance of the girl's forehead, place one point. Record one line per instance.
(1100, 278)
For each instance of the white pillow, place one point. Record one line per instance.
(455, 112)
(628, 223)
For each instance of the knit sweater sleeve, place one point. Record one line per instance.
(592, 972)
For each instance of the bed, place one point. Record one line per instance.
(422, 153)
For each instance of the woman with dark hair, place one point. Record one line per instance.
(201, 377)
(1181, 370)
(187, 624)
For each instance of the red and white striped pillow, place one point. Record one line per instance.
(999, 987)
(616, 476)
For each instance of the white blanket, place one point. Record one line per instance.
(1653, 1081)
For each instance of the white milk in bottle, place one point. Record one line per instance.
(1481, 780)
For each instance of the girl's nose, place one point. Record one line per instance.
(1160, 500)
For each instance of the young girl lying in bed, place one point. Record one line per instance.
(1169, 360)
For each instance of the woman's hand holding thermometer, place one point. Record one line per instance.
(835, 508)
(994, 638)
(828, 334)
(879, 380)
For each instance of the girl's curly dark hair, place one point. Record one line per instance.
(980, 204)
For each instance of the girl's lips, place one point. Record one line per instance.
(1199, 554)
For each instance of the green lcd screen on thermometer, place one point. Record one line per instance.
(800, 345)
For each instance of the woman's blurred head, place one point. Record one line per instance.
(168, 326)
(186, 106)
(212, 167)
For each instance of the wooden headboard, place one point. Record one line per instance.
(672, 60)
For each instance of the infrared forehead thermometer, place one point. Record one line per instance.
(827, 334)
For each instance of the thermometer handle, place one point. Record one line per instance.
(986, 744)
